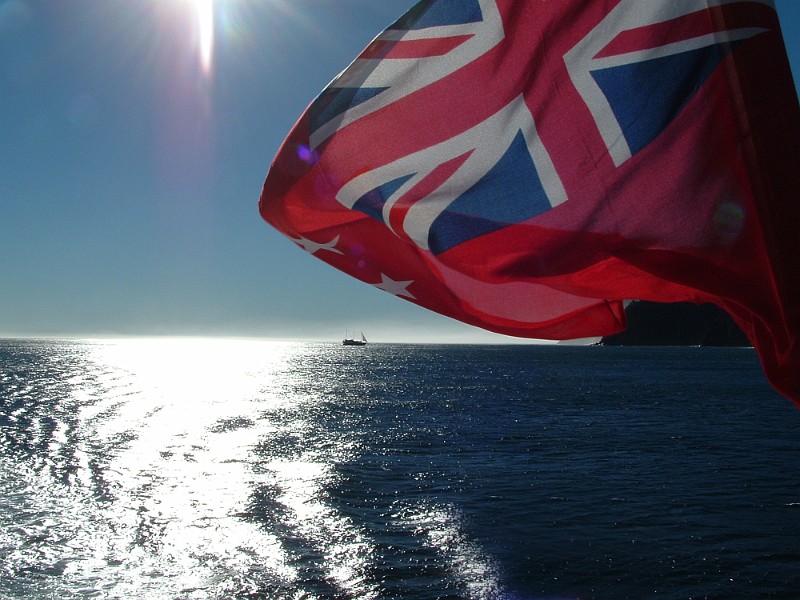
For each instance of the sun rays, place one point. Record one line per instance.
(204, 13)
(199, 18)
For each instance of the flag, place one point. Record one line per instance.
(527, 167)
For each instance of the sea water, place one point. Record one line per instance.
(244, 469)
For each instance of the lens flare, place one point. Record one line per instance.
(205, 21)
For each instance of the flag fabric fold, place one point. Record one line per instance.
(527, 167)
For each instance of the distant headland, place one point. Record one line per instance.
(677, 324)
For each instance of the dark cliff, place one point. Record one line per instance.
(677, 324)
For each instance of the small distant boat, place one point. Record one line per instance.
(347, 341)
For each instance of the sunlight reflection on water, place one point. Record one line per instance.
(163, 435)
(200, 468)
(211, 469)
(176, 479)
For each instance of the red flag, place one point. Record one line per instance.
(527, 166)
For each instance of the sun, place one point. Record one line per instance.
(204, 16)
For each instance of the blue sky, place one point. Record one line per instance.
(129, 178)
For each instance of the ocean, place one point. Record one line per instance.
(182, 469)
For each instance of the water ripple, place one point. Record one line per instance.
(236, 469)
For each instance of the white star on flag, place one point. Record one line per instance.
(312, 247)
(397, 288)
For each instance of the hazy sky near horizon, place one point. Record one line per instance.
(130, 169)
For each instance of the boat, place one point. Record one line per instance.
(347, 341)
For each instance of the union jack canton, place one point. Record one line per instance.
(462, 176)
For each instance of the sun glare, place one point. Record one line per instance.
(205, 19)
(204, 15)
